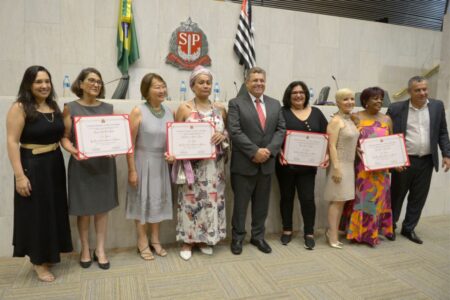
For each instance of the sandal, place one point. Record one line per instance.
(162, 252)
(44, 274)
(145, 253)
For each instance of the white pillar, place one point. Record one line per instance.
(443, 86)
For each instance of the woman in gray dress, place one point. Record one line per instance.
(92, 181)
(149, 196)
(340, 182)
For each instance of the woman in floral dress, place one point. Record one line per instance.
(370, 214)
(201, 203)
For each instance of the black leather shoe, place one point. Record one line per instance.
(236, 247)
(261, 245)
(285, 238)
(411, 235)
(104, 266)
(391, 237)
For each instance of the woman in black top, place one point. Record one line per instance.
(34, 128)
(299, 116)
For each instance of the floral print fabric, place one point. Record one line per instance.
(370, 214)
(201, 205)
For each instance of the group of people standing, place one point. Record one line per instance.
(254, 128)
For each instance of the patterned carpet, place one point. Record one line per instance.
(392, 270)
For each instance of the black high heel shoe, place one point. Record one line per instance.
(86, 264)
(104, 266)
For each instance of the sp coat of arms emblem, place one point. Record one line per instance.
(188, 47)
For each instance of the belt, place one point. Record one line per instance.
(39, 149)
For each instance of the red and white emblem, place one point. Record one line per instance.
(188, 47)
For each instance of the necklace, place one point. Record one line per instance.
(201, 115)
(51, 120)
(157, 113)
(343, 115)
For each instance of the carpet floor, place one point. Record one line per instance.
(392, 270)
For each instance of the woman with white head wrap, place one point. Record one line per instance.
(201, 203)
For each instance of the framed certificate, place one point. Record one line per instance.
(190, 140)
(305, 148)
(102, 135)
(384, 152)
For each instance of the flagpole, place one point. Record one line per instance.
(244, 42)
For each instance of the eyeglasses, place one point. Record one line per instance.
(93, 81)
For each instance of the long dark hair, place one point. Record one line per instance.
(288, 91)
(26, 97)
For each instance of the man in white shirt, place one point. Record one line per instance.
(422, 121)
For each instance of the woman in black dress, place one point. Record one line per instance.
(299, 116)
(34, 128)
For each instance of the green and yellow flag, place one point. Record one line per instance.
(127, 45)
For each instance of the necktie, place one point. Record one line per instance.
(261, 116)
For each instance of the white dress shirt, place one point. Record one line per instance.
(418, 130)
(263, 105)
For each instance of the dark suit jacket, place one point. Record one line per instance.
(247, 135)
(438, 126)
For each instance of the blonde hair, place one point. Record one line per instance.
(342, 93)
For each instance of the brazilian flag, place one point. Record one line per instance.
(127, 45)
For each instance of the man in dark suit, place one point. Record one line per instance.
(257, 130)
(422, 121)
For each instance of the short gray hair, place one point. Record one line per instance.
(416, 78)
(254, 70)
